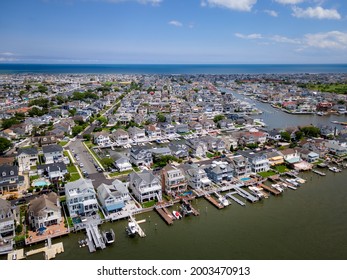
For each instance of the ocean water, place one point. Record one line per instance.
(217, 69)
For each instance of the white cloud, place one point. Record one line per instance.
(239, 5)
(176, 23)
(292, 2)
(317, 12)
(249, 36)
(271, 13)
(7, 54)
(283, 39)
(328, 40)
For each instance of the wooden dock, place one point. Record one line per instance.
(164, 215)
(235, 199)
(318, 172)
(269, 189)
(213, 201)
(50, 251)
(246, 195)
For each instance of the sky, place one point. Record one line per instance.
(173, 31)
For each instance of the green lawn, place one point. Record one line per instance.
(120, 173)
(266, 174)
(63, 143)
(72, 169)
(280, 168)
(149, 204)
(32, 178)
(74, 177)
(209, 155)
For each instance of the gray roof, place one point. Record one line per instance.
(4, 205)
(52, 149)
(43, 202)
(58, 166)
(5, 171)
(145, 176)
(81, 184)
(28, 151)
(117, 188)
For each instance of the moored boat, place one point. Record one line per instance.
(131, 229)
(108, 236)
(177, 215)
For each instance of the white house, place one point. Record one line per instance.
(8, 215)
(52, 153)
(81, 198)
(145, 186)
(26, 158)
(113, 197)
(136, 134)
(102, 138)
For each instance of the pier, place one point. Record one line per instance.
(94, 239)
(230, 195)
(318, 172)
(139, 230)
(213, 201)
(269, 189)
(246, 195)
(164, 215)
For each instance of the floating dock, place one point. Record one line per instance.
(246, 195)
(94, 238)
(213, 201)
(164, 215)
(318, 172)
(269, 189)
(230, 195)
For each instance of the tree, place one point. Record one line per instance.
(87, 137)
(4, 144)
(161, 117)
(310, 131)
(299, 135)
(76, 129)
(6, 123)
(285, 136)
(218, 118)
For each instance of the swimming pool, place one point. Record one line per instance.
(40, 183)
(245, 179)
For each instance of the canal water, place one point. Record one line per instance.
(309, 223)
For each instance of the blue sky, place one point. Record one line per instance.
(173, 31)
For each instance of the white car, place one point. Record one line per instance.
(81, 164)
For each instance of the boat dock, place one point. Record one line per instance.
(139, 230)
(246, 195)
(269, 189)
(318, 172)
(95, 239)
(164, 215)
(213, 201)
(230, 195)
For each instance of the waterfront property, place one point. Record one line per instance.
(8, 216)
(145, 186)
(173, 180)
(81, 198)
(196, 176)
(218, 171)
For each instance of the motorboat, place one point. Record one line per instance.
(256, 191)
(334, 169)
(108, 236)
(277, 187)
(186, 208)
(131, 229)
(224, 201)
(177, 215)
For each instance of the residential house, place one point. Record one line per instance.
(179, 150)
(197, 147)
(9, 179)
(141, 156)
(54, 171)
(208, 124)
(122, 163)
(44, 140)
(275, 158)
(214, 144)
(44, 211)
(168, 130)
(274, 134)
(226, 124)
(290, 156)
(8, 216)
(196, 176)
(145, 186)
(153, 132)
(259, 161)
(113, 197)
(137, 135)
(52, 153)
(102, 139)
(159, 152)
(308, 155)
(27, 157)
(81, 198)
(337, 148)
(173, 180)
(195, 126)
(218, 171)
(182, 128)
(120, 137)
(240, 166)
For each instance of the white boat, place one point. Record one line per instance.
(256, 191)
(177, 215)
(131, 229)
(108, 236)
(334, 169)
(277, 187)
(224, 201)
(293, 182)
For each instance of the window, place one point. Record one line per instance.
(3, 174)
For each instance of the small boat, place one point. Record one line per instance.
(186, 208)
(177, 215)
(108, 236)
(223, 201)
(256, 191)
(277, 187)
(82, 243)
(293, 182)
(131, 229)
(334, 169)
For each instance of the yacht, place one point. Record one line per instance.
(256, 192)
(334, 169)
(108, 236)
(131, 229)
